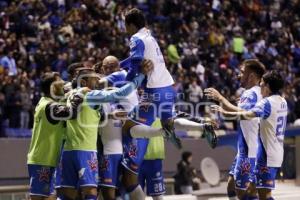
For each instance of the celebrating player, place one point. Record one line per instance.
(47, 137)
(242, 170)
(272, 110)
(79, 160)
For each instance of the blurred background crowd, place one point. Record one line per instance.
(203, 42)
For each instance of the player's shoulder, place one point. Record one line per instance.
(135, 40)
(252, 95)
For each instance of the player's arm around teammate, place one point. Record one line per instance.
(47, 135)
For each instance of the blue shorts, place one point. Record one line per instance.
(59, 168)
(109, 170)
(58, 171)
(41, 180)
(151, 175)
(265, 176)
(231, 171)
(134, 151)
(155, 103)
(244, 172)
(79, 168)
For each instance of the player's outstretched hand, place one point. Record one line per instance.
(147, 66)
(84, 90)
(216, 108)
(212, 93)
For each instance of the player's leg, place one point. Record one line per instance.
(109, 173)
(231, 188)
(69, 177)
(244, 171)
(265, 181)
(41, 181)
(252, 192)
(265, 194)
(183, 120)
(135, 149)
(134, 152)
(142, 175)
(154, 178)
(164, 101)
(89, 192)
(87, 167)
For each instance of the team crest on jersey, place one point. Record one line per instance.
(132, 151)
(246, 167)
(93, 163)
(44, 174)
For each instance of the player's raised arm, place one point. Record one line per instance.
(243, 114)
(101, 96)
(215, 95)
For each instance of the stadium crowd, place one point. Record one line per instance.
(203, 42)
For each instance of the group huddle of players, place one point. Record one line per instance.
(98, 128)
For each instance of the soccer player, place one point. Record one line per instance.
(68, 86)
(47, 137)
(117, 77)
(272, 110)
(150, 172)
(79, 160)
(242, 170)
(159, 94)
(111, 133)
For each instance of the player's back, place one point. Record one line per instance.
(272, 129)
(160, 76)
(248, 129)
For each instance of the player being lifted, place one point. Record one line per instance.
(117, 78)
(272, 110)
(159, 95)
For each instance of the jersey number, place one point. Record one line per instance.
(281, 123)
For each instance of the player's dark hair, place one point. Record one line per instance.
(46, 80)
(255, 66)
(135, 17)
(185, 155)
(274, 80)
(73, 68)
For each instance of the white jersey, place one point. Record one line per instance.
(111, 133)
(248, 129)
(144, 46)
(273, 112)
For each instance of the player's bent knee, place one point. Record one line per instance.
(108, 193)
(126, 127)
(129, 179)
(68, 193)
(264, 194)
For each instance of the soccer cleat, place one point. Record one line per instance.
(210, 135)
(171, 136)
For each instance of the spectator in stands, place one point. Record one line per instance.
(26, 105)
